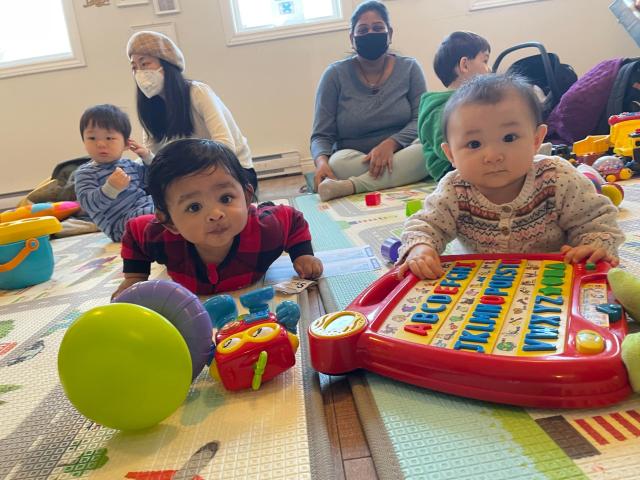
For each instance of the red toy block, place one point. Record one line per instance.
(372, 199)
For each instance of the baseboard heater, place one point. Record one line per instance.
(10, 200)
(277, 164)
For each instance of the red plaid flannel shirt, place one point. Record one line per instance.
(270, 230)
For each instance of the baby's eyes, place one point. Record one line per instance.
(226, 199)
(94, 138)
(473, 144)
(193, 207)
(510, 137)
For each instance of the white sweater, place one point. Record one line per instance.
(212, 120)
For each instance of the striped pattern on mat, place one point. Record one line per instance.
(275, 432)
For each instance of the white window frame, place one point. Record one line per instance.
(286, 31)
(484, 4)
(51, 62)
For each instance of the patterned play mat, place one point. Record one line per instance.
(276, 432)
(417, 433)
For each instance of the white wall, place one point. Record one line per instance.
(268, 86)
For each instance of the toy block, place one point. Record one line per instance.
(372, 199)
(412, 206)
(389, 249)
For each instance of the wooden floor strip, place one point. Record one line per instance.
(352, 458)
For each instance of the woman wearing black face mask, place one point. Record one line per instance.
(366, 111)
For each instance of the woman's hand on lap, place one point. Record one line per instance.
(381, 157)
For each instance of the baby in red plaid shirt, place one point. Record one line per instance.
(205, 229)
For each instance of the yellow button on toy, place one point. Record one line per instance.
(339, 324)
(589, 342)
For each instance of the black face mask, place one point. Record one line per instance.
(372, 45)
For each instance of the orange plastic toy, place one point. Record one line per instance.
(60, 210)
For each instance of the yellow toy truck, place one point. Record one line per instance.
(618, 142)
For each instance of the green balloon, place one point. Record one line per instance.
(124, 366)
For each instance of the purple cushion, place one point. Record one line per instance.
(580, 108)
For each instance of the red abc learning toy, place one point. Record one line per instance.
(525, 330)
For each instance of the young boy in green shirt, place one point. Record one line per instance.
(461, 56)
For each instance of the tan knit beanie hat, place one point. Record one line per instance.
(156, 45)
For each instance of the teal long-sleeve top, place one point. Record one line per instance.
(349, 115)
(430, 132)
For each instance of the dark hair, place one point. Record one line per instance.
(369, 6)
(490, 89)
(106, 116)
(167, 117)
(189, 156)
(452, 49)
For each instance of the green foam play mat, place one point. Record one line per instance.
(414, 432)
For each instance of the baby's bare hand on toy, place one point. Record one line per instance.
(308, 266)
(118, 179)
(423, 261)
(588, 252)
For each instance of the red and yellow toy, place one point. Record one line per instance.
(525, 330)
(254, 347)
(60, 210)
(618, 142)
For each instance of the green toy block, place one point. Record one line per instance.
(412, 206)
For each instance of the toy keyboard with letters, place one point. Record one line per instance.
(525, 330)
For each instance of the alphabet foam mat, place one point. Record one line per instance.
(275, 432)
(418, 433)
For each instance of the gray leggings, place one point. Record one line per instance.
(408, 167)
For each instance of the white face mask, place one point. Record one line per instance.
(151, 82)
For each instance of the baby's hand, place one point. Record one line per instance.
(592, 254)
(126, 283)
(118, 179)
(308, 266)
(138, 149)
(423, 261)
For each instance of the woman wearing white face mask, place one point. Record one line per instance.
(171, 107)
